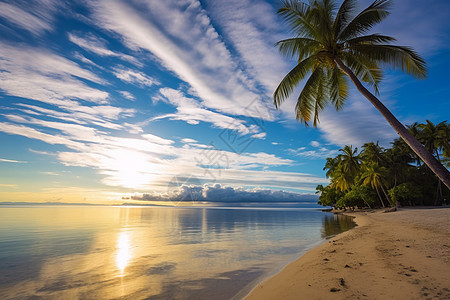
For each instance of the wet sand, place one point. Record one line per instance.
(396, 255)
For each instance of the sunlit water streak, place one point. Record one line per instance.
(153, 252)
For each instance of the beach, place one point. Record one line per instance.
(396, 255)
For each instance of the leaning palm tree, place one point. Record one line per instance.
(329, 44)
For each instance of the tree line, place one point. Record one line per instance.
(383, 177)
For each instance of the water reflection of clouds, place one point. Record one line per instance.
(142, 252)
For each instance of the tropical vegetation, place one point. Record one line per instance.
(382, 177)
(331, 45)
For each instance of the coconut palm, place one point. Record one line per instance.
(329, 44)
(349, 161)
(374, 175)
(435, 139)
(372, 152)
(331, 165)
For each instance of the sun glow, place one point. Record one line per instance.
(130, 169)
(123, 251)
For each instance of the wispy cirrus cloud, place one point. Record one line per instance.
(12, 161)
(198, 55)
(94, 44)
(193, 112)
(24, 19)
(318, 153)
(134, 77)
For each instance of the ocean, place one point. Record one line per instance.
(110, 252)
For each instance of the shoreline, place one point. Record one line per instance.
(402, 255)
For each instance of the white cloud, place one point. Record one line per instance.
(315, 144)
(11, 161)
(98, 46)
(26, 20)
(135, 77)
(319, 153)
(127, 95)
(192, 112)
(188, 141)
(358, 123)
(198, 55)
(261, 135)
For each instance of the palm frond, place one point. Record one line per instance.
(312, 98)
(365, 69)
(298, 47)
(298, 14)
(343, 16)
(289, 81)
(365, 20)
(338, 87)
(372, 39)
(398, 57)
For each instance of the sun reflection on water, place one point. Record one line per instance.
(123, 251)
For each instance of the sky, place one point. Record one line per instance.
(110, 101)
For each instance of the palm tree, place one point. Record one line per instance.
(331, 165)
(330, 44)
(435, 139)
(349, 161)
(372, 152)
(374, 175)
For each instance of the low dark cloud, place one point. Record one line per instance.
(219, 193)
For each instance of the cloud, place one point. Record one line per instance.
(192, 112)
(358, 123)
(261, 135)
(40, 75)
(12, 186)
(98, 46)
(198, 56)
(422, 25)
(135, 77)
(219, 193)
(23, 19)
(127, 95)
(315, 144)
(319, 153)
(12, 161)
(188, 141)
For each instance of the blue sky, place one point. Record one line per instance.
(108, 100)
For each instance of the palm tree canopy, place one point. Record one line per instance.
(325, 34)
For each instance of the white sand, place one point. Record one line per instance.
(397, 255)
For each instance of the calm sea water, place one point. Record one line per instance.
(92, 252)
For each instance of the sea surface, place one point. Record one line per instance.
(107, 252)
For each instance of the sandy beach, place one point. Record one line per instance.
(396, 255)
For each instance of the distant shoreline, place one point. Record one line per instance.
(399, 255)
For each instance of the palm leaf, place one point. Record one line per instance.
(398, 57)
(288, 83)
(365, 20)
(343, 16)
(298, 47)
(297, 15)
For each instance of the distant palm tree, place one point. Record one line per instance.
(329, 45)
(349, 161)
(331, 165)
(372, 152)
(435, 139)
(374, 175)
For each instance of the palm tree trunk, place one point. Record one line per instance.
(438, 200)
(438, 169)
(385, 194)
(379, 196)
